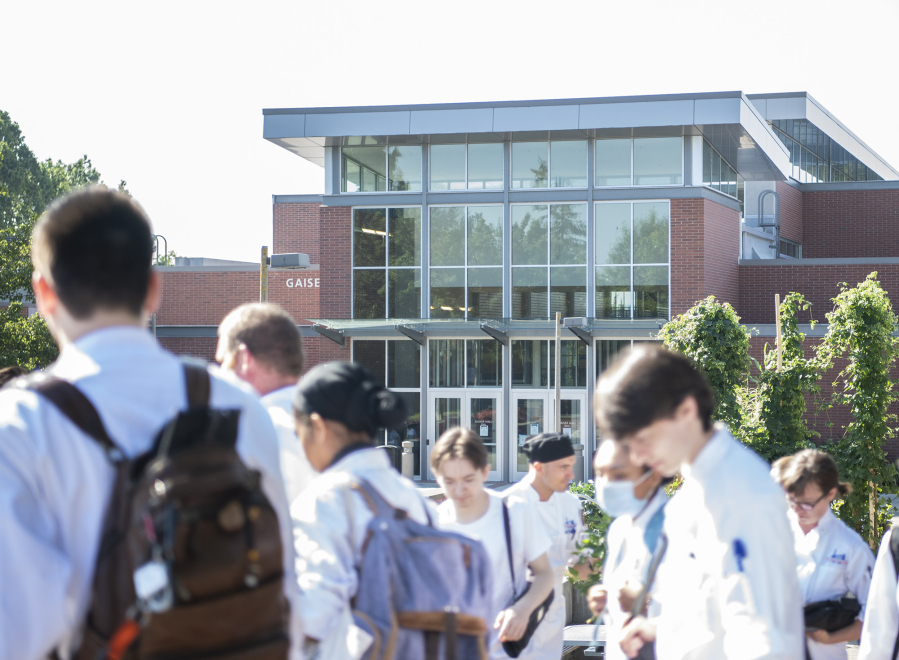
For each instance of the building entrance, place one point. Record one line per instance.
(533, 412)
(477, 409)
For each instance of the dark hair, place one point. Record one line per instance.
(95, 246)
(459, 442)
(645, 384)
(346, 392)
(9, 373)
(269, 334)
(809, 466)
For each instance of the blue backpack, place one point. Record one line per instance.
(424, 594)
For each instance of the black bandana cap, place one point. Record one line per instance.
(547, 447)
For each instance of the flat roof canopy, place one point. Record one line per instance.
(728, 120)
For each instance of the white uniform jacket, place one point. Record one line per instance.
(727, 586)
(882, 611)
(330, 521)
(298, 473)
(562, 519)
(627, 558)
(55, 482)
(831, 561)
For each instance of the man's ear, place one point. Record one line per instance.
(318, 427)
(44, 295)
(687, 408)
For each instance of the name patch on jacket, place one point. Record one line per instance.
(571, 528)
(838, 558)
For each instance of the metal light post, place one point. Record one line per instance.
(263, 275)
(558, 371)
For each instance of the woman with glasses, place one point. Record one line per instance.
(831, 559)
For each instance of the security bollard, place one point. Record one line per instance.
(578, 463)
(408, 460)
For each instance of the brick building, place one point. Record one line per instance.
(448, 237)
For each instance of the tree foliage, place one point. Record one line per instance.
(774, 402)
(27, 186)
(861, 330)
(593, 544)
(710, 334)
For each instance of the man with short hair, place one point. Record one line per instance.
(545, 489)
(728, 586)
(96, 289)
(262, 346)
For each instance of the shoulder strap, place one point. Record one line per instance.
(654, 529)
(507, 527)
(375, 501)
(72, 403)
(196, 381)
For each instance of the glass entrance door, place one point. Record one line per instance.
(533, 412)
(477, 409)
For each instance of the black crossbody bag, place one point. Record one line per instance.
(514, 649)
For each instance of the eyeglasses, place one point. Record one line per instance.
(805, 506)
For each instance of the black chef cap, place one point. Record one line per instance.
(547, 447)
(346, 392)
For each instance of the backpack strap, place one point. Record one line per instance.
(196, 382)
(72, 403)
(894, 552)
(507, 528)
(375, 501)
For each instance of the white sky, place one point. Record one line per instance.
(169, 95)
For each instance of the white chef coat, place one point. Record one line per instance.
(297, 471)
(627, 558)
(831, 560)
(562, 520)
(882, 614)
(330, 521)
(727, 586)
(55, 482)
(529, 543)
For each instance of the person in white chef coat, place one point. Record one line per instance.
(880, 634)
(831, 559)
(635, 497)
(261, 345)
(727, 586)
(545, 488)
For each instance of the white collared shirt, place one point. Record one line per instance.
(727, 585)
(882, 614)
(55, 482)
(831, 561)
(295, 467)
(626, 560)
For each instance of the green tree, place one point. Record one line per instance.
(593, 543)
(710, 334)
(861, 330)
(27, 186)
(774, 408)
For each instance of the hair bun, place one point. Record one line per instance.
(388, 409)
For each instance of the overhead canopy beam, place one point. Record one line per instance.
(496, 333)
(415, 335)
(579, 328)
(334, 335)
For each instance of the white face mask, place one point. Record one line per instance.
(617, 497)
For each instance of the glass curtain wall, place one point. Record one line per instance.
(466, 166)
(549, 254)
(466, 256)
(386, 263)
(639, 162)
(534, 360)
(632, 259)
(818, 158)
(397, 365)
(465, 363)
(550, 164)
(370, 164)
(718, 174)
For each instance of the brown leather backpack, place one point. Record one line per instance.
(188, 527)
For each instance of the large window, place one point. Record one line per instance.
(534, 363)
(556, 164)
(466, 256)
(386, 263)
(367, 167)
(466, 166)
(816, 157)
(465, 363)
(397, 365)
(640, 162)
(632, 257)
(718, 174)
(549, 255)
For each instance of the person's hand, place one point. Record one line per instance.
(637, 633)
(820, 636)
(628, 596)
(511, 624)
(597, 598)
